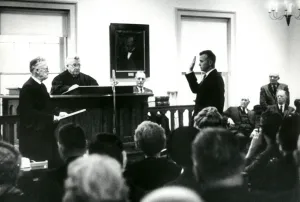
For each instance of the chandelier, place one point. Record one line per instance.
(286, 12)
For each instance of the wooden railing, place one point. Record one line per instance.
(9, 128)
(176, 114)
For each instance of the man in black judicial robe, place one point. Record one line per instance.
(37, 117)
(71, 78)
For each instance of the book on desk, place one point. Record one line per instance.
(99, 90)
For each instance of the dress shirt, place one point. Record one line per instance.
(38, 81)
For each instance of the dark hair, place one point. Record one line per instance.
(71, 136)
(107, 144)
(10, 160)
(208, 117)
(210, 55)
(35, 62)
(217, 154)
(270, 123)
(150, 138)
(297, 104)
(180, 145)
(288, 133)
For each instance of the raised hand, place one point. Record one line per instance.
(191, 68)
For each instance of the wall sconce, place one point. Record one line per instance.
(287, 14)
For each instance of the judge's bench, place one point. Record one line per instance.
(130, 109)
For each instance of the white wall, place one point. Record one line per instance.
(293, 70)
(261, 44)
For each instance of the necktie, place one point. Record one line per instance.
(204, 77)
(274, 88)
(281, 109)
(243, 110)
(141, 89)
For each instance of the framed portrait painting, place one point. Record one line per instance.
(129, 49)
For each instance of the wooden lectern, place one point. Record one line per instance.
(131, 109)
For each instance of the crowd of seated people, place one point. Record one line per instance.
(207, 162)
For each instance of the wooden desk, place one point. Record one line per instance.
(131, 111)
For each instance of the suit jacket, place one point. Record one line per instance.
(146, 90)
(151, 173)
(210, 92)
(51, 185)
(287, 109)
(235, 114)
(268, 96)
(134, 62)
(36, 137)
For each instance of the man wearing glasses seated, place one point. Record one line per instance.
(268, 91)
(71, 78)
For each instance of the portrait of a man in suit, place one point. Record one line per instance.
(131, 53)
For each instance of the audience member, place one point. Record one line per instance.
(297, 105)
(172, 194)
(10, 161)
(153, 171)
(265, 172)
(282, 106)
(210, 91)
(208, 117)
(95, 178)
(140, 79)
(71, 78)
(111, 145)
(179, 148)
(241, 118)
(218, 166)
(108, 144)
(268, 92)
(71, 142)
(38, 116)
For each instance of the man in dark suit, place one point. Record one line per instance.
(210, 91)
(140, 79)
(268, 92)
(241, 118)
(282, 106)
(72, 144)
(130, 57)
(37, 117)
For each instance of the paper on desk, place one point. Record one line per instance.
(72, 114)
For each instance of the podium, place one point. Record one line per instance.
(131, 109)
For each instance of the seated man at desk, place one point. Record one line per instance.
(71, 78)
(140, 79)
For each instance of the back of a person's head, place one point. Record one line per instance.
(172, 194)
(270, 123)
(72, 138)
(10, 160)
(208, 117)
(216, 154)
(95, 178)
(288, 133)
(180, 143)
(150, 138)
(107, 144)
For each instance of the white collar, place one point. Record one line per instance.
(207, 73)
(38, 81)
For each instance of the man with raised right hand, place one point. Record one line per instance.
(210, 91)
